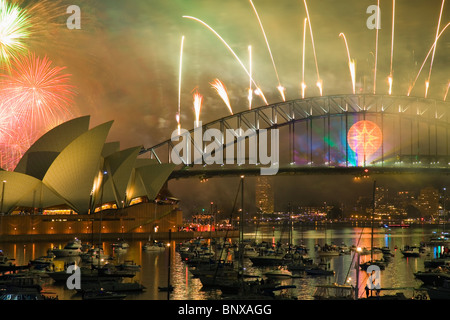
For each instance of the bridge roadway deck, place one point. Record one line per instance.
(202, 172)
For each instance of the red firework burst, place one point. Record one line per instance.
(14, 145)
(35, 92)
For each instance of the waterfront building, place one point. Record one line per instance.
(264, 194)
(428, 202)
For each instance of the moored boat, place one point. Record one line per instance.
(411, 251)
(435, 277)
(436, 262)
(380, 263)
(107, 271)
(440, 292)
(279, 273)
(319, 270)
(43, 263)
(441, 239)
(120, 244)
(129, 265)
(334, 291)
(328, 251)
(153, 246)
(71, 249)
(110, 286)
(103, 295)
(5, 261)
(95, 256)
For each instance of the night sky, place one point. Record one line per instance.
(124, 63)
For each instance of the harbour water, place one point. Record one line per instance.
(399, 273)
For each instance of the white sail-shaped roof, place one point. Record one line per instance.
(38, 158)
(13, 185)
(40, 197)
(118, 167)
(110, 147)
(148, 180)
(72, 173)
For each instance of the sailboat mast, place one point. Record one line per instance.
(290, 227)
(168, 264)
(241, 227)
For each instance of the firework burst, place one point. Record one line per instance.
(222, 92)
(319, 82)
(250, 91)
(259, 93)
(232, 52)
(14, 30)
(14, 144)
(376, 49)
(390, 77)
(425, 60)
(37, 92)
(427, 82)
(303, 85)
(280, 88)
(178, 115)
(5, 120)
(351, 63)
(446, 92)
(198, 100)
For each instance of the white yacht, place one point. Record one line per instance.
(95, 256)
(71, 249)
(120, 244)
(5, 261)
(153, 246)
(279, 273)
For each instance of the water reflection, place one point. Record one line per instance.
(154, 265)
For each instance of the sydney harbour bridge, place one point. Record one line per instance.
(347, 134)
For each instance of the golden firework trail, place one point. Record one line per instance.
(198, 99)
(376, 49)
(259, 92)
(178, 115)
(250, 90)
(280, 88)
(303, 85)
(427, 83)
(351, 63)
(426, 58)
(319, 82)
(390, 78)
(222, 92)
(226, 44)
(446, 92)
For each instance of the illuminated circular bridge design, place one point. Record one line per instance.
(402, 133)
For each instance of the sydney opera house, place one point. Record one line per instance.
(71, 182)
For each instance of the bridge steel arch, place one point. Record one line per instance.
(313, 135)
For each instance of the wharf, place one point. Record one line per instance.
(160, 236)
